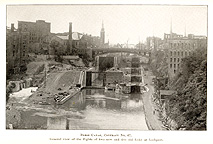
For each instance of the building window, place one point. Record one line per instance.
(170, 53)
(181, 53)
(174, 71)
(13, 52)
(175, 53)
(174, 65)
(170, 59)
(174, 59)
(178, 65)
(185, 53)
(170, 65)
(25, 27)
(178, 59)
(178, 53)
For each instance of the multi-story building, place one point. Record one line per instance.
(180, 47)
(17, 45)
(39, 32)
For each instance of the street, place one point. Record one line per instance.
(152, 118)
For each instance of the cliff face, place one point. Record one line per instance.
(189, 107)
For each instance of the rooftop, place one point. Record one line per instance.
(37, 21)
(75, 36)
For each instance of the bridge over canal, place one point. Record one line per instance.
(140, 52)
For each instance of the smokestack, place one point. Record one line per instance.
(12, 27)
(70, 38)
(171, 29)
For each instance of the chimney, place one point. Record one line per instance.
(70, 37)
(12, 27)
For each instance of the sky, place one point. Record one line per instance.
(122, 23)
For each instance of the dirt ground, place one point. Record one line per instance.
(51, 78)
(55, 83)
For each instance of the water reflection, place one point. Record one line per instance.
(77, 102)
(108, 110)
(96, 109)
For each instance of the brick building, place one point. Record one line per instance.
(81, 43)
(180, 47)
(17, 46)
(39, 32)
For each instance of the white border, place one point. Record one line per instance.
(37, 136)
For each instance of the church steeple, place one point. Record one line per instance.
(102, 25)
(102, 35)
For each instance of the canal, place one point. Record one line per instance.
(91, 109)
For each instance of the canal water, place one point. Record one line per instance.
(91, 109)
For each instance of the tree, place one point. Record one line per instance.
(8, 92)
(56, 45)
(85, 58)
(158, 63)
(189, 106)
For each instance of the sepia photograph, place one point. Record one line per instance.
(106, 67)
(106, 72)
